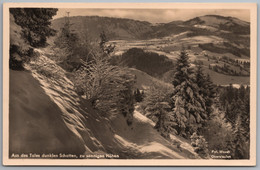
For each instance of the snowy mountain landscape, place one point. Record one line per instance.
(212, 39)
(96, 87)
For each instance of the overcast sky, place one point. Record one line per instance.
(155, 15)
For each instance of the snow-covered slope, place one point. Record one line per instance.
(35, 122)
(47, 116)
(141, 138)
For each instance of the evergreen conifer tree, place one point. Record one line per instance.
(246, 116)
(242, 130)
(206, 88)
(239, 139)
(67, 39)
(106, 48)
(36, 24)
(211, 94)
(29, 28)
(166, 121)
(155, 95)
(138, 95)
(188, 105)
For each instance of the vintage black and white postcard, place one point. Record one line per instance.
(129, 84)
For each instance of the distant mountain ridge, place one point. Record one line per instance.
(122, 28)
(231, 24)
(115, 28)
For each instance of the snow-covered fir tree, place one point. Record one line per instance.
(166, 121)
(239, 140)
(241, 132)
(206, 88)
(189, 107)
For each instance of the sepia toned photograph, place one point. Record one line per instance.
(129, 84)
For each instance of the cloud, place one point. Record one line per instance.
(156, 15)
